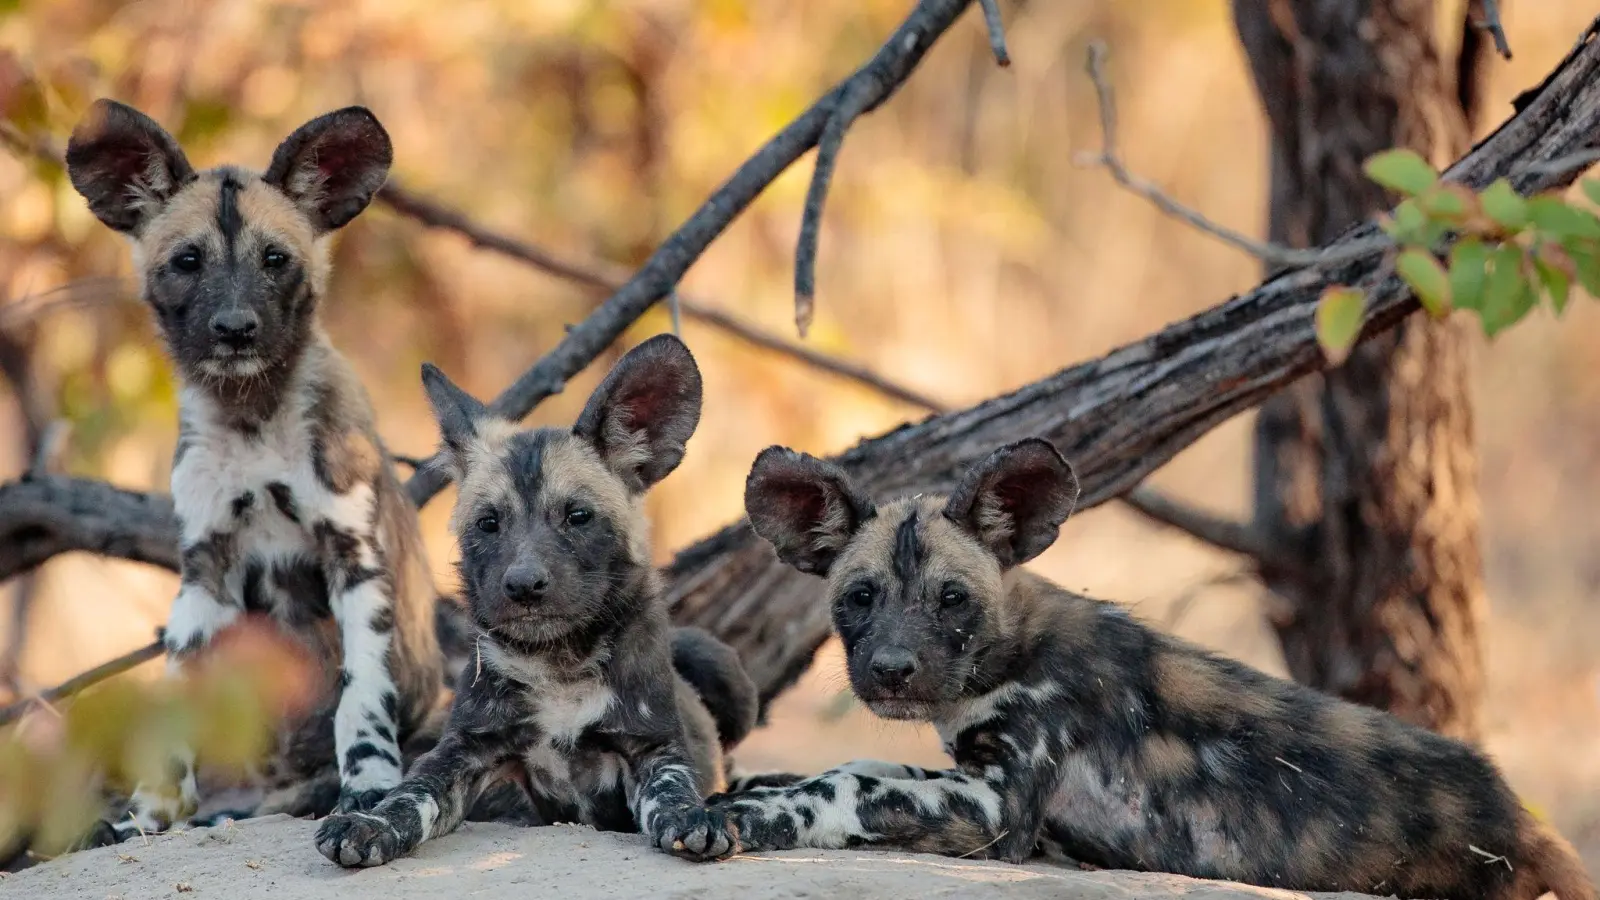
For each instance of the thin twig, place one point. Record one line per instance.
(1180, 607)
(87, 679)
(997, 31)
(1491, 23)
(1235, 537)
(853, 101)
(607, 280)
(1003, 832)
(1107, 158)
(51, 445)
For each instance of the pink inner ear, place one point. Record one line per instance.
(800, 501)
(334, 159)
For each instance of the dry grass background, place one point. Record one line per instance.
(962, 254)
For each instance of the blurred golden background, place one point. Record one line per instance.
(962, 254)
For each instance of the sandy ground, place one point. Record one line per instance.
(273, 857)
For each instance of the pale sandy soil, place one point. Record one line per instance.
(273, 858)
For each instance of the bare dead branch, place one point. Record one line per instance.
(1225, 534)
(1491, 23)
(1108, 158)
(607, 279)
(886, 71)
(41, 517)
(1181, 606)
(997, 31)
(851, 104)
(78, 683)
(52, 444)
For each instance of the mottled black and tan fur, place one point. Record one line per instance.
(1078, 731)
(288, 506)
(581, 691)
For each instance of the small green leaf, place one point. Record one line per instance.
(1338, 321)
(1427, 280)
(1449, 201)
(1556, 282)
(1507, 296)
(1591, 189)
(1558, 219)
(1469, 260)
(1585, 256)
(1408, 223)
(1505, 206)
(1401, 170)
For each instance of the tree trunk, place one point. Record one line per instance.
(1366, 475)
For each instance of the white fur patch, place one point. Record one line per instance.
(366, 654)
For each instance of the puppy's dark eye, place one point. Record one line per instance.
(187, 260)
(488, 524)
(952, 597)
(274, 258)
(579, 516)
(860, 597)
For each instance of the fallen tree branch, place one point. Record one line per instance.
(41, 517)
(84, 680)
(887, 70)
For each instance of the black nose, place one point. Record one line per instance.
(525, 584)
(235, 327)
(893, 666)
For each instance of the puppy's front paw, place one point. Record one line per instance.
(695, 833)
(352, 800)
(358, 839)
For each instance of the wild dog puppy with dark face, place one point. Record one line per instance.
(574, 693)
(289, 508)
(1077, 730)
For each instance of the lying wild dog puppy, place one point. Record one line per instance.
(1077, 729)
(288, 506)
(574, 692)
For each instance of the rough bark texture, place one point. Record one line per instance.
(1366, 474)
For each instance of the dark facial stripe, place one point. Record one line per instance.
(524, 457)
(908, 550)
(229, 221)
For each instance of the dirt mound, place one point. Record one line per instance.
(273, 858)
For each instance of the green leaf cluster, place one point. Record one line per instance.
(1510, 252)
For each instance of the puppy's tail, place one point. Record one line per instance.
(713, 669)
(1549, 863)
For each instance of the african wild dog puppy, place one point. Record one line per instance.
(575, 693)
(289, 507)
(1079, 731)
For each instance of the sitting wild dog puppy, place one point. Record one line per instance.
(574, 693)
(288, 506)
(1079, 730)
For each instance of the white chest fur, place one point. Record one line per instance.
(261, 487)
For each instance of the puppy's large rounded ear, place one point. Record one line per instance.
(1015, 500)
(125, 165)
(806, 508)
(457, 412)
(332, 166)
(642, 415)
